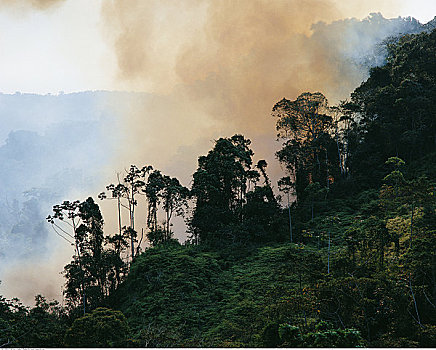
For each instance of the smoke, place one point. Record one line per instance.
(216, 68)
(55, 148)
(29, 5)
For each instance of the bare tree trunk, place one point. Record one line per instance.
(318, 163)
(132, 222)
(119, 206)
(414, 301)
(304, 311)
(168, 225)
(327, 171)
(155, 216)
(132, 239)
(140, 241)
(346, 152)
(80, 265)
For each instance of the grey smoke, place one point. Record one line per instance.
(54, 147)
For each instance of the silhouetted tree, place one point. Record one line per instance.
(131, 186)
(94, 270)
(220, 187)
(174, 200)
(152, 190)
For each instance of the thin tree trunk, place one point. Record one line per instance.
(140, 241)
(168, 224)
(119, 206)
(290, 218)
(327, 171)
(411, 223)
(318, 163)
(328, 257)
(132, 242)
(155, 216)
(346, 153)
(341, 167)
(382, 252)
(119, 214)
(304, 311)
(80, 265)
(414, 301)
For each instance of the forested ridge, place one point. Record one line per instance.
(341, 252)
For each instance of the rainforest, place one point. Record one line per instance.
(341, 252)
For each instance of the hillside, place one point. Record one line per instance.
(188, 296)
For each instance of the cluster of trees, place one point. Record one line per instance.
(158, 189)
(362, 269)
(101, 262)
(97, 266)
(231, 204)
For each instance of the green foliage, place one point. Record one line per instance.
(101, 328)
(396, 105)
(220, 187)
(309, 151)
(173, 196)
(41, 326)
(323, 335)
(262, 217)
(47, 321)
(185, 295)
(157, 235)
(95, 271)
(171, 290)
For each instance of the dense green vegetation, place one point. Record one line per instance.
(351, 261)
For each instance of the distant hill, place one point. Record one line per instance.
(50, 146)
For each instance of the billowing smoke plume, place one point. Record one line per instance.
(217, 67)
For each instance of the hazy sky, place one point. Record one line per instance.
(65, 47)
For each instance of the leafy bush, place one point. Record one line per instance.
(101, 328)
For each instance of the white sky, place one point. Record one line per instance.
(54, 50)
(63, 49)
(423, 10)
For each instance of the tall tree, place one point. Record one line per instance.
(69, 213)
(165, 190)
(117, 192)
(174, 200)
(220, 187)
(305, 124)
(94, 270)
(133, 182)
(152, 190)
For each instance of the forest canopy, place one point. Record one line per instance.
(339, 253)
